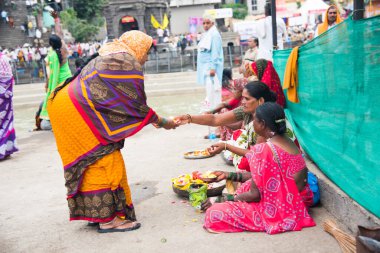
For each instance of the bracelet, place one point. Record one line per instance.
(225, 146)
(239, 177)
(232, 176)
(189, 118)
(230, 197)
(162, 122)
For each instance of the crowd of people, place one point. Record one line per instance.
(92, 111)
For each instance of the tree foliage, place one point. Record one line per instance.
(89, 9)
(85, 18)
(240, 11)
(80, 29)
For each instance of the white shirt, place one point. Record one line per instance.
(264, 32)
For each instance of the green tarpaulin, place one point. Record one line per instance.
(338, 118)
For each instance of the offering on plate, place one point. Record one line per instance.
(197, 154)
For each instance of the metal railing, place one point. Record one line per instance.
(161, 61)
(177, 61)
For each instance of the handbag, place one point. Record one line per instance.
(312, 180)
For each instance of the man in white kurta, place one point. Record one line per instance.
(210, 62)
(264, 33)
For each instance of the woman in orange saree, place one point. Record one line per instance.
(91, 115)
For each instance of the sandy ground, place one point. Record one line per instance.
(34, 213)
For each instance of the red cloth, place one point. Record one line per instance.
(281, 208)
(270, 78)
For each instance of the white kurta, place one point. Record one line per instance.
(264, 33)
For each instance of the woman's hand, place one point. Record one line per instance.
(220, 175)
(182, 119)
(216, 148)
(206, 204)
(170, 124)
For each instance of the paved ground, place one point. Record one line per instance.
(34, 213)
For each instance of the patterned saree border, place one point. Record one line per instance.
(93, 150)
(100, 205)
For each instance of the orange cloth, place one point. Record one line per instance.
(135, 43)
(68, 132)
(291, 76)
(108, 172)
(325, 25)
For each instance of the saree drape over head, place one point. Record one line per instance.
(281, 208)
(267, 74)
(7, 131)
(91, 117)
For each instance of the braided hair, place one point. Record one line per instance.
(56, 43)
(79, 69)
(273, 115)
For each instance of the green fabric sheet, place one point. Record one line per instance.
(337, 120)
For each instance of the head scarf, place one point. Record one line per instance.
(267, 74)
(325, 25)
(135, 43)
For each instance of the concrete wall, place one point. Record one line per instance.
(180, 17)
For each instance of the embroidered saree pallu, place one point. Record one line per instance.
(91, 117)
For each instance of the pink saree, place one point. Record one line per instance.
(281, 208)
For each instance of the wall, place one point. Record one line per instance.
(179, 21)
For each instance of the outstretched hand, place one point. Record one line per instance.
(167, 124)
(182, 119)
(216, 148)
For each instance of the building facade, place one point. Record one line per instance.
(125, 15)
(186, 14)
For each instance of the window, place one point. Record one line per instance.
(254, 5)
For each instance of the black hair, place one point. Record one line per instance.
(256, 40)
(68, 80)
(79, 63)
(273, 116)
(56, 43)
(268, 9)
(259, 90)
(226, 78)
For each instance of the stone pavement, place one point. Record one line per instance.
(34, 213)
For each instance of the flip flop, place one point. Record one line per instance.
(111, 230)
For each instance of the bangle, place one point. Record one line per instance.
(232, 176)
(225, 146)
(230, 197)
(189, 118)
(161, 122)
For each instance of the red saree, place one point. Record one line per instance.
(281, 208)
(267, 74)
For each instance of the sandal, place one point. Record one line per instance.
(136, 225)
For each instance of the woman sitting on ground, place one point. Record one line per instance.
(260, 70)
(254, 94)
(275, 195)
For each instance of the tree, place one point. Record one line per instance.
(240, 11)
(85, 19)
(89, 9)
(80, 29)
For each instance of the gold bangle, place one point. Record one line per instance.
(225, 146)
